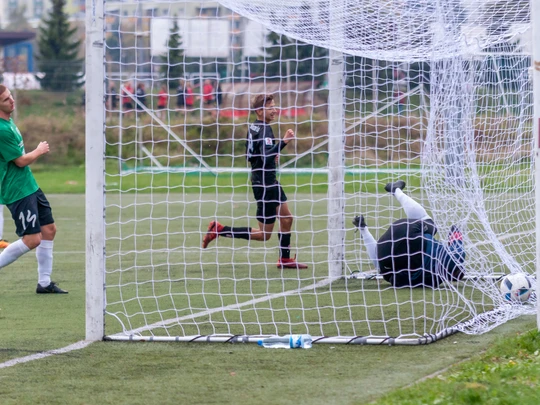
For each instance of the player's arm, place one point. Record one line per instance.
(31, 157)
(270, 150)
(289, 136)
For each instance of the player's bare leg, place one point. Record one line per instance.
(264, 232)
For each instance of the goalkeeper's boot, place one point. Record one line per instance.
(213, 232)
(454, 235)
(50, 289)
(3, 243)
(391, 187)
(290, 264)
(457, 253)
(359, 222)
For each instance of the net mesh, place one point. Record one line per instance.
(435, 93)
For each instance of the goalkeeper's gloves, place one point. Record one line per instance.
(359, 222)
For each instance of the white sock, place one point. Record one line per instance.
(44, 255)
(13, 252)
(371, 245)
(412, 209)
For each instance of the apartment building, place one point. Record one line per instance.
(35, 10)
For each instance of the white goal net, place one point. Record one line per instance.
(435, 93)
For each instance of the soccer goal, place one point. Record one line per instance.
(436, 93)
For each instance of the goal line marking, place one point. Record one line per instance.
(75, 346)
(84, 343)
(162, 324)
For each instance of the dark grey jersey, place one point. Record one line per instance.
(261, 151)
(402, 245)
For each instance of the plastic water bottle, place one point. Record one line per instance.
(287, 342)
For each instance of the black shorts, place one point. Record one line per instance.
(268, 198)
(31, 213)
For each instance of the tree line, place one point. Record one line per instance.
(57, 56)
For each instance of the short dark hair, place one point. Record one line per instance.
(261, 100)
(2, 88)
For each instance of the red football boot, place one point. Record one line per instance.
(290, 264)
(213, 232)
(454, 235)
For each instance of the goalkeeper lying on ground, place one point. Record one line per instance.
(407, 254)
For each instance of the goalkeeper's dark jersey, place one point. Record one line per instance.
(401, 247)
(261, 151)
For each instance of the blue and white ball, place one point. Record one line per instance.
(516, 287)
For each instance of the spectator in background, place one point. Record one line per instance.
(141, 96)
(219, 94)
(114, 98)
(181, 96)
(127, 102)
(163, 100)
(190, 98)
(401, 100)
(208, 95)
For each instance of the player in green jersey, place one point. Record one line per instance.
(25, 200)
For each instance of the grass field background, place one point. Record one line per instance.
(142, 373)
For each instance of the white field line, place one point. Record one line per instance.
(225, 308)
(75, 346)
(84, 343)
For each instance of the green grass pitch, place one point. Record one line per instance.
(141, 373)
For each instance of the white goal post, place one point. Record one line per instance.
(443, 95)
(535, 29)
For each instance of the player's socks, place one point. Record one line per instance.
(13, 252)
(285, 245)
(413, 210)
(235, 232)
(44, 256)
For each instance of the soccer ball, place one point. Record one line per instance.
(516, 287)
